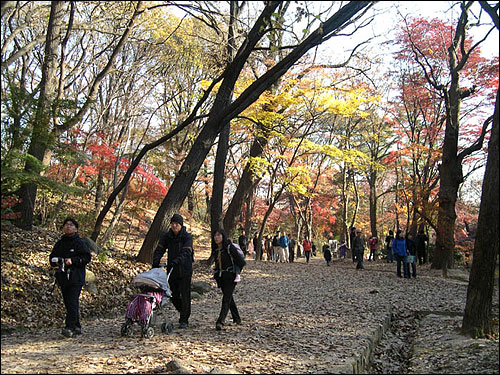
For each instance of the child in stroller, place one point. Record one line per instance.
(154, 292)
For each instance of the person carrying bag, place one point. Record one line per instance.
(224, 254)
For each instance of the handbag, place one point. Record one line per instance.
(410, 259)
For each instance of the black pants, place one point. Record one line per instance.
(406, 266)
(181, 297)
(308, 254)
(71, 298)
(422, 257)
(359, 258)
(228, 304)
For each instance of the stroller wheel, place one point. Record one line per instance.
(148, 333)
(167, 328)
(125, 330)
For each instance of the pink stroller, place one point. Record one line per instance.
(154, 292)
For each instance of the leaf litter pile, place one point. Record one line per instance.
(297, 318)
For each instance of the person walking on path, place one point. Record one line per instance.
(179, 244)
(243, 242)
(284, 242)
(276, 247)
(412, 250)
(352, 236)
(223, 253)
(343, 250)
(372, 243)
(388, 247)
(421, 244)
(291, 250)
(401, 254)
(327, 254)
(269, 248)
(358, 248)
(307, 245)
(70, 254)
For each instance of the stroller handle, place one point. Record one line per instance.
(164, 265)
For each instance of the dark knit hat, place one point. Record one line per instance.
(177, 218)
(72, 220)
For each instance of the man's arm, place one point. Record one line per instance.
(159, 252)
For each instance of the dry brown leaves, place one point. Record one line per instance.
(297, 318)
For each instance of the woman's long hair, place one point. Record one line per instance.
(224, 238)
(225, 241)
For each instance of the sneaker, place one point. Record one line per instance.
(77, 331)
(218, 326)
(67, 332)
(238, 322)
(183, 325)
(237, 279)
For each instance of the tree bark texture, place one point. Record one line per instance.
(219, 179)
(450, 170)
(373, 203)
(246, 185)
(477, 319)
(41, 125)
(222, 148)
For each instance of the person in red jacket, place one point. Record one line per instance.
(372, 242)
(307, 245)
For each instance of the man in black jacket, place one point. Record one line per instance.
(180, 261)
(243, 242)
(70, 254)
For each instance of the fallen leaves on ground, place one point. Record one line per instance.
(297, 318)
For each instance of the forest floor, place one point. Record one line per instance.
(297, 318)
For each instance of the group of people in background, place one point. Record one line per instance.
(281, 248)
(278, 248)
(404, 249)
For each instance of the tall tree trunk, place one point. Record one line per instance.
(477, 316)
(477, 319)
(219, 179)
(451, 176)
(450, 170)
(373, 203)
(345, 203)
(44, 113)
(247, 183)
(222, 148)
(249, 210)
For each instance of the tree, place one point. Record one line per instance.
(178, 92)
(477, 319)
(462, 58)
(50, 119)
(219, 115)
(419, 114)
(222, 149)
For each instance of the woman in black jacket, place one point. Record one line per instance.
(224, 275)
(70, 254)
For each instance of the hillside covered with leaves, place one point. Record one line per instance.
(29, 298)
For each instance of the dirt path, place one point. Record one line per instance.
(298, 318)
